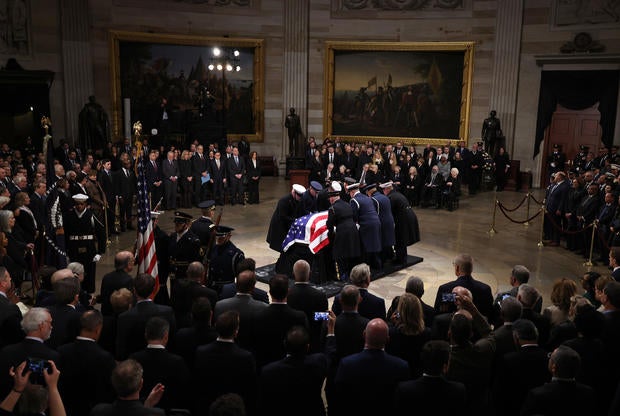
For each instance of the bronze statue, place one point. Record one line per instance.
(491, 132)
(94, 126)
(293, 125)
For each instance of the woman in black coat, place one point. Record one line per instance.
(316, 167)
(186, 179)
(502, 166)
(253, 176)
(412, 185)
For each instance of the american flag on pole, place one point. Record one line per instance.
(310, 229)
(147, 258)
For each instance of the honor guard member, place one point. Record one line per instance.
(223, 260)
(204, 227)
(579, 162)
(288, 209)
(184, 246)
(407, 229)
(343, 235)
(369, 225)
(85, 239)
(384, 209)
(309, 198)
(556, 160)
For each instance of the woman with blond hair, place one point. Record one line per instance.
(408, 333)
(186, 181)
(561, 293)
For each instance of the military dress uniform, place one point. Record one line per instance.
(223, 261)
(84, 238)
(343, 234)
(204, 227)
(407, 228)
(183, 251)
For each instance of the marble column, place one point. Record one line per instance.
(505, 78)
(77, 61)
(295, 65)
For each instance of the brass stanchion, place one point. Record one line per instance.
(589, 262)
(527, 223)
(493, 230)
(542, 226)
(105, 216)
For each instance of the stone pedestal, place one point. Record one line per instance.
(299, 176)
(512, 184)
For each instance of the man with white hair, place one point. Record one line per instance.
(37, 324)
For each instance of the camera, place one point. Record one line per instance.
(37, 366)
(321, 316)
(448, 297)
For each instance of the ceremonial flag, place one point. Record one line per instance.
(372, 81)
(147, 257)
(310, 229)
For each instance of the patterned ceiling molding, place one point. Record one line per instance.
(400, 9)
(200, 6)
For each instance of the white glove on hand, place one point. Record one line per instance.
(96, 258)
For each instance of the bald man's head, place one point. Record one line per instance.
(246, 281)
(376, 334)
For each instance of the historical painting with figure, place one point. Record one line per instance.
(172, 85)
(398, 93)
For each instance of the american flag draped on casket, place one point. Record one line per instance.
(311, 230)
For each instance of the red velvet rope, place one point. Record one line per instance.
(501, 208)
(555, 225)
(517, 207)
(537, 201)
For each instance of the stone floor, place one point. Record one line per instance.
(444, 234)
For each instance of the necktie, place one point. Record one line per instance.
(236, 160)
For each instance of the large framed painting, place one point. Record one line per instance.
(412, 92)
(182, 75)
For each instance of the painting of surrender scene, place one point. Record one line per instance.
(400, 93)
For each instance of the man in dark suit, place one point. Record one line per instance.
(476, 165)
(350, 325)
(200, 168)
(37, 203)
(223, 367)
(162, 367)
(170, 174)
(520, 371)
(481, 292)
(217, 170)
(105, 180)
(563, 395)
(614, 262)
(236, 171)
(247, 307)
(331, 157)
(511, 310)
(201, 332)
(187, 290)
(307, 299)
(273, 323)
(10, 315)
(371, 306)
(528, 296)
(372, 370)
(37, 324)
(349, 160)
(120, 277)
(127, 382)
(64, 314)
(555, 202)
(131, 324)
(296, 381)
(86, 368)
(518, 276)
(154, 177)
(432, 393)
(229, 290)
(125, 184)
(586, 213)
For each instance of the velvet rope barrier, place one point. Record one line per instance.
(518, 206)
(536, 200)
(502, 209)
(563, 231)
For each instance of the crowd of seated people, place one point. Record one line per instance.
(468, 352)
(414, 174)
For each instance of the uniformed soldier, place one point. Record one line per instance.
(556, 160)
(224, 258)
(309, 198)
(369, 225)
(343, 234)
(384, 209)
(579, 162)
(184, 246)
(204, 227)
(85, 239)
(407, 229)
(287, 210)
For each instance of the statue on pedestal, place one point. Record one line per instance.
(293, 125)
(491, 132)
(94, 126)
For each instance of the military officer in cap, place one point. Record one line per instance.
(407, 229)
(184, 247)
(224, 259)
(204, 227)
(343, 234)
(556, 160)
(384, 210)
(288, 209)
(309, 198)
(579, 162)
(369, 225)
(85, 239)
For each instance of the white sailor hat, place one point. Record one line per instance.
(80, 198)
(299, 189)
(388, 184)
(156, 214)
(353, 186)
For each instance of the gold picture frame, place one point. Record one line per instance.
(180, 46)
(426, 89)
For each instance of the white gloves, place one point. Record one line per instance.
(96, 258)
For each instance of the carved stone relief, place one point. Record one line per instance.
(394, 9)
(15, 27)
